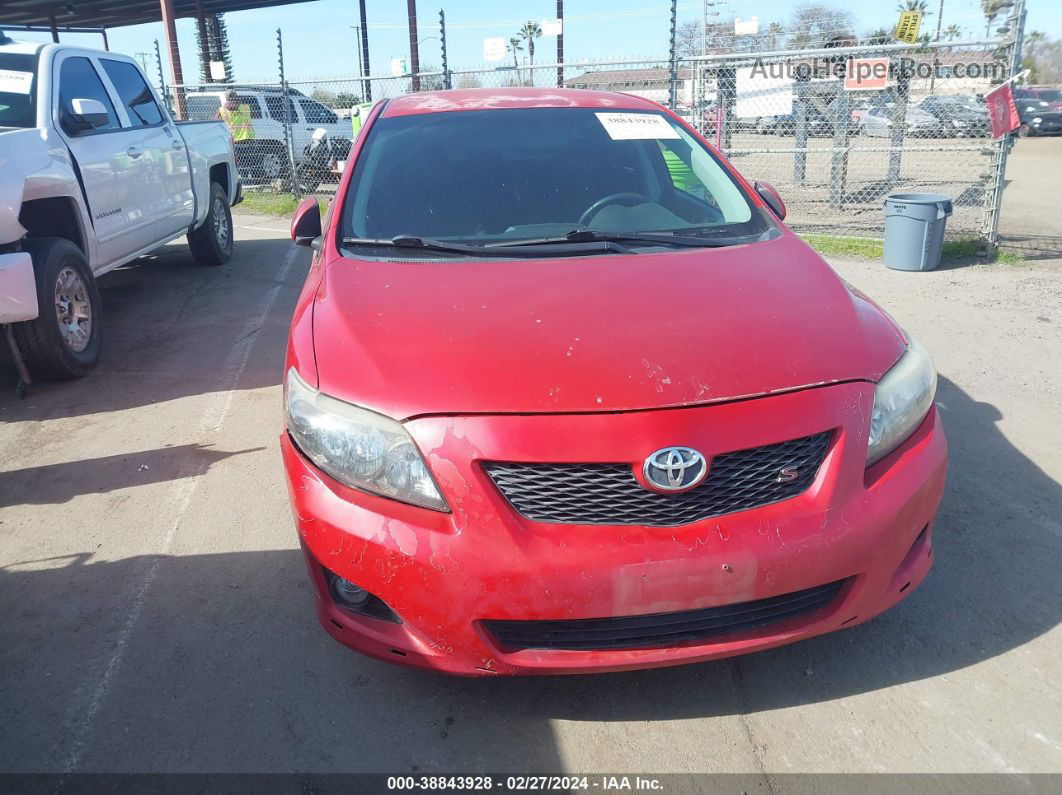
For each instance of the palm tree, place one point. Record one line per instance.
(992, 9)
(529, 32)
(774, 33)
(515, 47)
(914, 5)
(952, 32)
(879, 36)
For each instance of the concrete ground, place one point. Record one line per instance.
(157, 616)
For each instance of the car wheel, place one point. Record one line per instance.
(211, 241)
(273, 163)
(63, 342)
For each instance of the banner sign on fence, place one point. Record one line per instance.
(866, 74)
(1002, 111)
(398, 67)
(552, 27)
(907, 27)
(494, 49)
(761, 93)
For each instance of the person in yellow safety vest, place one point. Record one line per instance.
(238, 117)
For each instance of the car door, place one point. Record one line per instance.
(163, 148)
(115, 179)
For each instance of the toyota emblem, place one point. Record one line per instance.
(675, 469)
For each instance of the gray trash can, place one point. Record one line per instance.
(914, 230)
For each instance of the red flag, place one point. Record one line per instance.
(1001, 110)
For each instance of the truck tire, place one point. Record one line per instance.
(211, 241)
(273, 161)
(63, 342)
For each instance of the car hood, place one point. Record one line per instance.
(586, 334)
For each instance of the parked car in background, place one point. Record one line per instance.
(581, 402)
(1040, 111)
(877, 122)
(265, 156)
(817, 125)
(959, 114)
(94, 173)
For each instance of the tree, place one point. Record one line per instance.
(468, 81)
(914, 5)
(529, 32)
(814, 24)
(992, 9)
(952, 32)
(346, 99)
(516, 47)
(879, 36)
(215, 48)
(774, 34)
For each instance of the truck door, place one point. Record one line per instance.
(164, 149)
(116, 179)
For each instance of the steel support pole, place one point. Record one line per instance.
(1005, 143)
(170, 27)
(672, 97)
(414, 49)
(289, 122)
(560, 45)
(366, 94)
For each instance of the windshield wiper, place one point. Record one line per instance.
(597, 236)
(516, 248)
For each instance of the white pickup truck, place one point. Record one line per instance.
(93, 173)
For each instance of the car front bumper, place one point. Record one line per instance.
(445, 574)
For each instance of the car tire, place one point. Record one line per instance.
(63, 342)
(211, 241)
(273, 162)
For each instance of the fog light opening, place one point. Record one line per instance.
(349, 594)
(352, 598)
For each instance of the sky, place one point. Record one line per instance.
(319, 40)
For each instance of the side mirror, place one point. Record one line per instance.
(306, 223)
(773, 199)
(86, 115)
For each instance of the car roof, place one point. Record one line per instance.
(21, 47)
(507, 98)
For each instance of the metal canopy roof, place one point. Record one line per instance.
(115, 13)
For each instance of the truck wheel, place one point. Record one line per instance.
(211, 241)
(63, 342)
(273, 162)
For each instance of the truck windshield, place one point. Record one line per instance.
(478, 177)
(18, 89)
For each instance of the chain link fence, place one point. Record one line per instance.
(834, 129)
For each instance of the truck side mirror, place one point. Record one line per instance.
(85, 115)
(306, 223)
(772, 198)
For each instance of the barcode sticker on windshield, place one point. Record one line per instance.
(636, 126)
(15, 82)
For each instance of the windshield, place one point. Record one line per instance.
(481, 176)
(1050, 96)
(18, 90)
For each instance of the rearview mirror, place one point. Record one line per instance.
(306, 223)
(86, 115)
(771, 197)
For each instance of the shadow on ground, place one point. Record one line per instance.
(168, 327)
(226, 668)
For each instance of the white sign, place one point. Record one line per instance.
(636, 126)
(746, 27)
(494, 49)
(217, 70)
(398, 67)
(761, 94)
(15, 82)
(552, 27)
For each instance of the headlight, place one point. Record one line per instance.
(357, 447)
(902, 399)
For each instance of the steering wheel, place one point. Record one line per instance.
(626, 199)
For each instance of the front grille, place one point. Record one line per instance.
(661, 629)
(609, 494)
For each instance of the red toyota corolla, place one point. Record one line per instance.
(563, 394)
